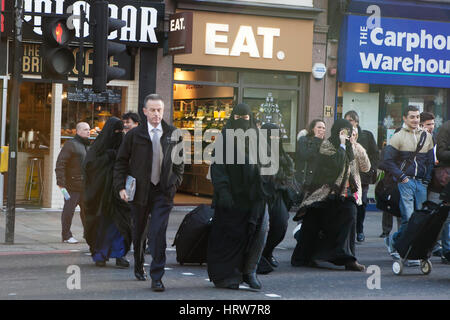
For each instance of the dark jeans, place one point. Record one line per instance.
(151, 221)
(361, 213)
(76, 198)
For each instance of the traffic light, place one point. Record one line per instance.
(58, 59)
(102, 26)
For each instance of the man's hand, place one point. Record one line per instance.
(123, 195)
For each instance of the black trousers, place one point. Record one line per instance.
(76, 198)
(278, 224)
(361, 213)
(151, 221)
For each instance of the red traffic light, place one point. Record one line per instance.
(56, 32)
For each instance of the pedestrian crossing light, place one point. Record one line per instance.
(102, 26)
(58, 59)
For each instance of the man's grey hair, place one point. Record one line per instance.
(154, 97)
(80, 125)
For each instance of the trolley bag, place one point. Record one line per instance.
(422, 232)
(191, 239)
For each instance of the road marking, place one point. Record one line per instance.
(12, 294)
(20, 253)
(188, 274)
(170, 249)
(168, 269)
(272, 295)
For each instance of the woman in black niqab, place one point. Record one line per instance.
(108, 224)
(239, 227)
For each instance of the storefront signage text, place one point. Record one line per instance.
(141, 17)
(251, 42)
(32, 61)
(244, 42)
(399, 52)
(180, 33)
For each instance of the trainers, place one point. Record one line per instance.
(413, 263)
(395, 256)
(71, 240)
(360, 237)
(444, 260)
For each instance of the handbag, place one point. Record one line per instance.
(387, 195)
(293, 195)
(130, 187)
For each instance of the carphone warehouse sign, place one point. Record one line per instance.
(397, 52)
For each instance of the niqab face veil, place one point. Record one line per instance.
(337, 127)
(110, 137)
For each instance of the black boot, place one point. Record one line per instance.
(122, 263)
(252, 281)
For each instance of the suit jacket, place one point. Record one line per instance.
(135, 158)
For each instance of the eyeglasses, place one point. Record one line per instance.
(244, 116)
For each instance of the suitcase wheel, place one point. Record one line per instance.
(425, 266)
(397, 267)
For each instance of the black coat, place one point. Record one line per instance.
(306, 159)
(68, 168)
(135, 158)
(443, 145)
(366, 139)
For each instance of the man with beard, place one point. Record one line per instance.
(108, 223)
(240, 223)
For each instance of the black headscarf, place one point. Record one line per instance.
(100, 198)
(337, 127)
(241, 109)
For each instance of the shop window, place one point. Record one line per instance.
(270, 78)
(34, 115)
(205, 75)
(394, 99)
(278, 107)
(86, 106)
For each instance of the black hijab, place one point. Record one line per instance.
(337, 127)
(240, 110)
(100, 198)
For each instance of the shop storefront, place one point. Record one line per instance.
(262, 61)
(385, 68)
(49, 110)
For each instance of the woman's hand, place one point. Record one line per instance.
(343, 136)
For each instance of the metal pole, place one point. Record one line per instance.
(14, 123)
(80, 55)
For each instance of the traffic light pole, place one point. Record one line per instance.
(80, 54)
(14, 123)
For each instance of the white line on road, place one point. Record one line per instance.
(187, 274)
(273, 295)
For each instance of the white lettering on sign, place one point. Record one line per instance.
(127, 13)
(244, 42)
(177, 24)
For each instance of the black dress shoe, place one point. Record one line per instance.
(100, 263)
(122, 263)
(140, 274)
(273, 262)
(157, 286)
(264, 267)
(252, 281)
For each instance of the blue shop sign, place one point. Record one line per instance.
(397, 52)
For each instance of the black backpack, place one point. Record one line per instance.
(387, 195)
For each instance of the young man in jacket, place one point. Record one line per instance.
(412, 182)
(366, 139)
(69, 176)
(145, 154)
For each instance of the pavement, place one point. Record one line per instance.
(39, 231)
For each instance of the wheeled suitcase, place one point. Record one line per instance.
(420, 236)
(191, 239)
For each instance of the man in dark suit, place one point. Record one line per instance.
(145, 154)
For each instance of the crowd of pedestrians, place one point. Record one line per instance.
(251, 209)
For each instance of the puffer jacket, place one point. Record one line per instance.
(399, 151)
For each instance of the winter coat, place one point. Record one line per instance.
(401, 147)
(68, 168)
(367, 141)
(332, 163)
(306, 159)
(443, 145)
(135, 158)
